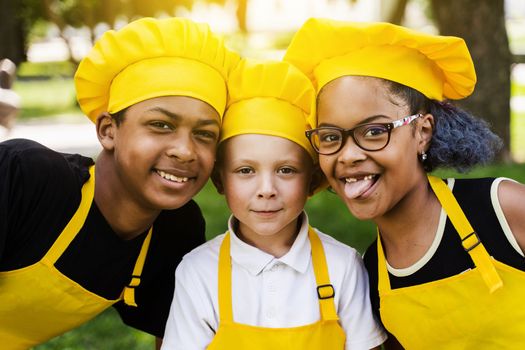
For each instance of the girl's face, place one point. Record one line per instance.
(371, 183)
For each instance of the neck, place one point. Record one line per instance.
(277, 244)
(408, 230)
(120, 209)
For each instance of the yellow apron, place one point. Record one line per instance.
(37, 302)
(323, 334)
(481, 308)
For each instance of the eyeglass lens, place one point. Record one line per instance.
(370, 137)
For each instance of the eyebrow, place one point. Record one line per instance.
(368, 120)
(177, 117)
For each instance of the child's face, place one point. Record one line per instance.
(164, 150)
(266, 181)
(370, 183)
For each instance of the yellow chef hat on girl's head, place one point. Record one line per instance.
(151, 58)
(270, 98)
(437, 66)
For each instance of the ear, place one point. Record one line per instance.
(318, 181)
(106, 127)
(216, 179)
(425, 131)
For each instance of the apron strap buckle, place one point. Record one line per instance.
(468, 242)
(325, 291)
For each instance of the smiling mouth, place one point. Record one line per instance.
(171, 177)
(357, 186)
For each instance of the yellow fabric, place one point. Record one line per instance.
(458, 312)
(128, 294)
(438, 66)
(38, 302)
(151, 58)
(270, 98)
(324, 334)
(470, 242)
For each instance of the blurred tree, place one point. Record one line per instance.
(482, 24)
(16, 18)
(90, 13)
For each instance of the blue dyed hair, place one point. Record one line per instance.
(460, 140)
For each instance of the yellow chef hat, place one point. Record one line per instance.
(151, 58)
(437, 66)
(270, 98)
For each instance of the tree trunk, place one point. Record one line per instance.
(482, 24)
(12, 32)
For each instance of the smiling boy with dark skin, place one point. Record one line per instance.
(76, 238)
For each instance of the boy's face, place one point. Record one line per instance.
(266, 181)
(164, 150)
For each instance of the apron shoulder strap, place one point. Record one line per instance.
(325, 290)
(75, 224)
(469, 238)
(129, 290)
(225, 281)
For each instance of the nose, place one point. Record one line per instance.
(351, 152)
(267, 188)
(181, 147)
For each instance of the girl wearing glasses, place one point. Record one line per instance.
(448, 269)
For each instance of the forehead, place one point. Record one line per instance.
(180, 107)
(356, 97)
(263, 148)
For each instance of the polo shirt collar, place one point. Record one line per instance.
(255, 260)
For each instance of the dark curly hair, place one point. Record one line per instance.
(460, 140)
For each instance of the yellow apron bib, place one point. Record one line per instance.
(323, 334)
(481, 308)
(37, 302)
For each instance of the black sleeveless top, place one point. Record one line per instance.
(473, 195)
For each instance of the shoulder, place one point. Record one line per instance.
(510, 196)
(30, 159)
(344, 262)
(336, 250)
(200, 265)
(205, 256)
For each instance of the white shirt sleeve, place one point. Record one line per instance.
(354, 308)
(188, 327)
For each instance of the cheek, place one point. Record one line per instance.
(207, 158)
(327, 165)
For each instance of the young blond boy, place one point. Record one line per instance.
(280, 284)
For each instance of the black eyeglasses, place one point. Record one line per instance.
(328, 140)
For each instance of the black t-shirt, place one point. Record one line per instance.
(40, 190)
(473, 195)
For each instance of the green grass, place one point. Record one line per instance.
(105, 332)
(48, 97)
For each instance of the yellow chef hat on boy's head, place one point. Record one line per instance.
(151, 58)
(437, 66)
(270, 98)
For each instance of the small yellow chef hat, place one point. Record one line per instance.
(270, 98)
(437, 66)
(151, 58)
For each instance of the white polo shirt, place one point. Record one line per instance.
(269, 292)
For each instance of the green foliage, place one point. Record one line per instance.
(48, 97)
(28, 70)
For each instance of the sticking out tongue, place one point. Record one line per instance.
(355, 189)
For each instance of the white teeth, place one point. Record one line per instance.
(353, 179)
(171, 177)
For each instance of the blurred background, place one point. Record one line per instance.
(42, 42)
